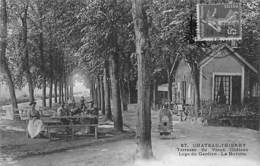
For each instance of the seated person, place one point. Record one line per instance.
(72, 103)
(81, 109)
(82, 105)
(35, 124)
(63, 111)
(75, 111)
(90, 104)
(73, 99)
(91, 108)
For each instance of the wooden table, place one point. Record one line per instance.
(55, 122)
(73, 117)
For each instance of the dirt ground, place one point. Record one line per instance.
(122, 151)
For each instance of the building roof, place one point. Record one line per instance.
(236, 55)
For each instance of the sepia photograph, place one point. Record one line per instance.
(129, 82)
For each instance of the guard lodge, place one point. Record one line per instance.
(225, 78)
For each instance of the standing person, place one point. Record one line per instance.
(35, 124)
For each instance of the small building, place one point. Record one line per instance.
(225, 77)
(162, 93)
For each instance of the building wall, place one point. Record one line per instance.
(222, 63)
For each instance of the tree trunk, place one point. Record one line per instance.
(44, 92)
(43, 72)
(155, 94)
(108, 112)
(50, 93)
(129, 90)
(102, 96)
(64, 79)
(71, 88)
(55, 91)
(169, 87)
(94, 92)
(195, 79)
(141, 26)
(11, 88)
(31, 89)
(91, 90)
(65, 92)
(62, 69)
(50, 71)
(51, 82)
(26, 54)
(60, 91)
(65, 89)
(114, 77)
(3, 45)
(116, 101)
(98, 94)
(123, 95)
(258, 51)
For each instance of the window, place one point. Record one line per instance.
(256, 90)
(227, 89)
(183, 92)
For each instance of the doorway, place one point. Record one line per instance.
(236, 90)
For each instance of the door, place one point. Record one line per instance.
(236, 90)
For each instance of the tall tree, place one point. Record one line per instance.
(50, 73)
(3, 45)
(25, 52)
(141, 26)
(41, 48)
(258, 50)
(103, 30)
(166, 36)
(98, 93)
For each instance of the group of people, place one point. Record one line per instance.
(71, 109)
(35, 125)
(177, 109)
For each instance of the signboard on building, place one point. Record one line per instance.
(219, 22)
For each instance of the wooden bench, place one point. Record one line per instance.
(72, 128)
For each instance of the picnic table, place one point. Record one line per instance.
(55, 122)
